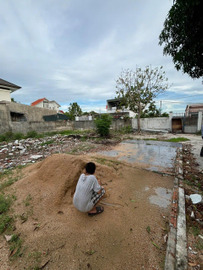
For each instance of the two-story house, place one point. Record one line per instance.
(113, 107)
(193, 109)
(45, 103)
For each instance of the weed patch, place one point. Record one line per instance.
(47, 143)
(15, 246)
(27, 200)
(5, 220)
(180, 139)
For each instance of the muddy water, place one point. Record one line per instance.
(154, 155)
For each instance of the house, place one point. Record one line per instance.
(193, 109)
(113, 107)
(45, 103)
(6, 88)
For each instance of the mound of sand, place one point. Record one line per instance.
(51, 183)
(58, 236)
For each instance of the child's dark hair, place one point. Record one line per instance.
(90, 167)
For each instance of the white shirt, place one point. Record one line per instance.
(84, 191)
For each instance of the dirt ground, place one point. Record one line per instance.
(129, 234)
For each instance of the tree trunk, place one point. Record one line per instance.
(138, 119)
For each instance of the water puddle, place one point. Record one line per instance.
(158, 155)
(162, 197)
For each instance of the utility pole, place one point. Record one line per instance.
(160, 106)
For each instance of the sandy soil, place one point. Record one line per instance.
(128, 235)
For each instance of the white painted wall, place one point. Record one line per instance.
(5, 95)
(53, 105)
(154, 124)
(39, 105)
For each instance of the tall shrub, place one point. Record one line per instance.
(103, 123)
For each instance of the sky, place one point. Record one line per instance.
(74, 50)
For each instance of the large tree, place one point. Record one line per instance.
(74, 110)
(137, 89)
(182, 36)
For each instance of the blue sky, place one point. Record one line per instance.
(74, 50)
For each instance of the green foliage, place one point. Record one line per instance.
(5, 203)
(152, 111)
(148, 229)
(32, 134)
(180, 139)
(103, 123)
(15, 246)
(199, 244)
(47, 143)
(27, 200)
(8, 136)
(126, 130)
(73, 111)
(8, 183)
(136, 89)
(195, 230)
(182, 36)
(5, 220)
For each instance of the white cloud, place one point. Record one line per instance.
(73, 51)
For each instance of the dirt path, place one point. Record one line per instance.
(128, 235)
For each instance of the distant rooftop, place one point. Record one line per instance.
(38, 101)
(8, 86)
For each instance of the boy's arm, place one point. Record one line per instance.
(99, 182)
(100, 190)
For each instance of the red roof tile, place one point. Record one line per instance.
(37, 101)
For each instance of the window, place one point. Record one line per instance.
(17, 117)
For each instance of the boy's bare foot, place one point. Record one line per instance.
(96, 210)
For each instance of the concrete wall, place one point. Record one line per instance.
(33, 119)
(153, 124)
(116, 124)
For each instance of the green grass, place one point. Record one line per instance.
(125, 130)
(10, 136)
(108, 162)
(5, 220)
(199, 244)
(15, 246)
(7, 177)
(148, 229)
(8, 182)
(5, 203)
(5, 173)
(195, 230)
(178, 139)
(47, 143)
(27, 200)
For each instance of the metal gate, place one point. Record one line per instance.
(177, 126)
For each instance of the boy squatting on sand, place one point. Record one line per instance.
(88, 192)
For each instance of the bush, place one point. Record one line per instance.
(32, 134)
(103, 123)
(18, 136)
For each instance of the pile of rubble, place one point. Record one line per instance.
(193, 185)
(22, 152)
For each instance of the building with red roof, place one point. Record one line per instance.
(45, 103)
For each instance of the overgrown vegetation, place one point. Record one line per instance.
(9, 136)
(103, 123)
(15, 246)
(178, 139)
(7, 177)
(5, 220)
